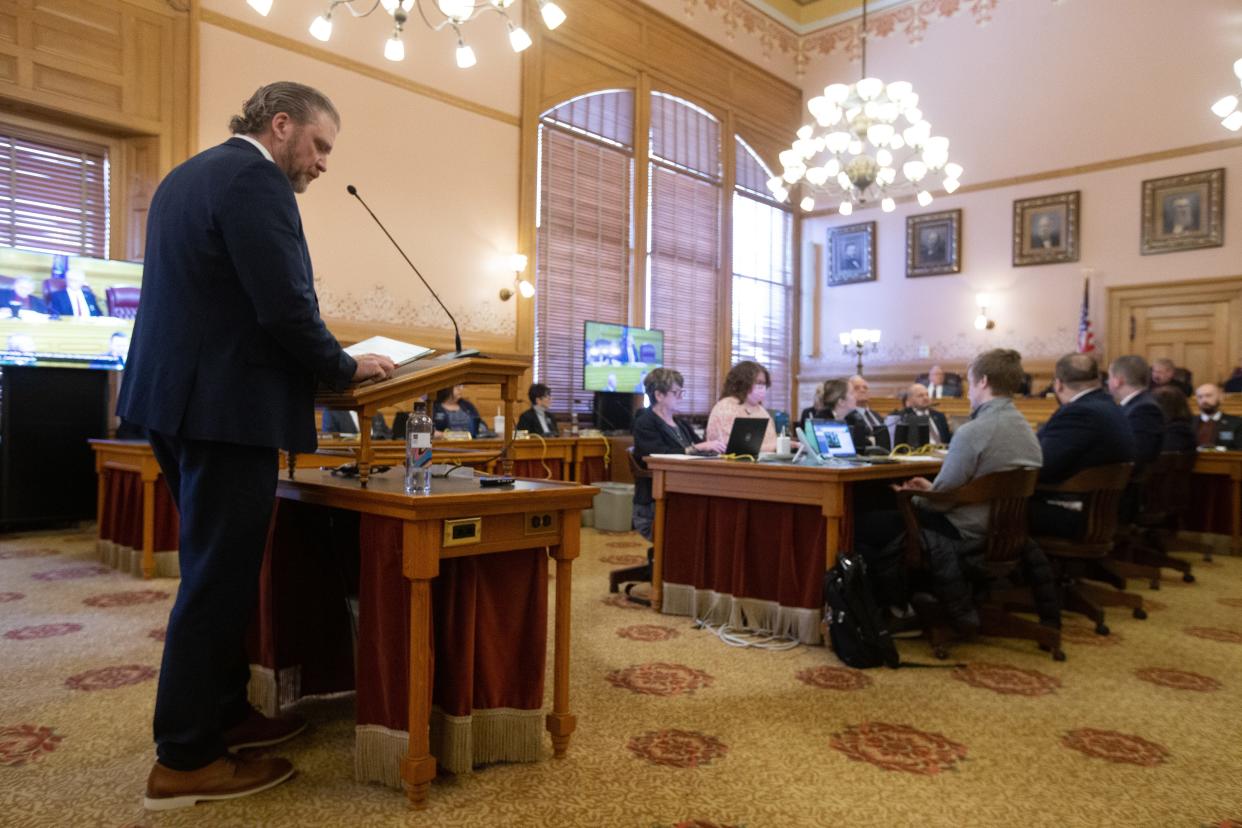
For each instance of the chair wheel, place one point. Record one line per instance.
(1188, 578)
(1058, 655)
(1102, 629)
(1140, 613)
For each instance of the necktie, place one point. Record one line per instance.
(1207, 432)
(932, 431)
(79, 306)
(935, 392)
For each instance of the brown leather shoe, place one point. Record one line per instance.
(226, 778)
(258, 731)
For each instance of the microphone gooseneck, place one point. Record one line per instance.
(353, 191)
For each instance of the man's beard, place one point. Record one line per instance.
(298, 180)
(1209, 409)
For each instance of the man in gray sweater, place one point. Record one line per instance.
(997, 438)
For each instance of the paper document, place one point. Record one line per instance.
(399, 352)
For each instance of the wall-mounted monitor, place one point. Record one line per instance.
(618, 357)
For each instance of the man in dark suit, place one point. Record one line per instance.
(538, 419)
(1164, 372)
(1088, 430)
(940, 384)
(21, 297)
(76, 298)
(227, 348)
(863, 419)
(1214, 427)
(1127, 382)
(918, 403)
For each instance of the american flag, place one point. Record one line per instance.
(1086, 339)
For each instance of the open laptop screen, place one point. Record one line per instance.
(834, 438)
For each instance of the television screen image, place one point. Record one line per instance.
(66, 311)
(618, 357)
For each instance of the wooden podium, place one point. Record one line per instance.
(424, 376)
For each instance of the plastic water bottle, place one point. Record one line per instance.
(573, 424)
(418, 451)
(498, 422)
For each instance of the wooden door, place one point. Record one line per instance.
(1198, 325)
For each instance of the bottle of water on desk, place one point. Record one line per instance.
(418, 451)
(573, 424)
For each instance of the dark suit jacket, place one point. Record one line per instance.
(62, 305)
(952, 384)
(1228, 431)
(879, 433)
(1179, 437)
(1147, 424)
(339, 422)
(529, 421)
(9, 299)
(941, 421)
(228, 343)
(654, 436)
(1091, 431)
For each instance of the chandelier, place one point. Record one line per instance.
(1227, 107)
(869, 131)
(446, 14)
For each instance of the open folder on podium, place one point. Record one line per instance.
(414, 379)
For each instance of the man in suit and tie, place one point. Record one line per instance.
(918, 403)
(76, 299)
(940, 385)
(1215, 427)
(21, 298)
(1088, 430)
(863, 418)
(1127, 382)
(227, 349)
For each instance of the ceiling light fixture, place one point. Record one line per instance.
(1227, 107)
(452, 14)
(862, 144)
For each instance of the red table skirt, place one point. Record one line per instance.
(489, 618)
(593, 470)
(119, 535)
(750, 564)
(1210, 508)
(536, 470)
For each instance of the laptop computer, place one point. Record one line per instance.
(747, 436)
(833, 439)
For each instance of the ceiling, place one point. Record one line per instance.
(807, 15)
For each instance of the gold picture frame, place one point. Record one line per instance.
(1045, 229)
(1183, 212)
(934, 244)
(851, 254)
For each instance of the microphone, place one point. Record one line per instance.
(353, 191)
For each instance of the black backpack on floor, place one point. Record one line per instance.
(856, 627)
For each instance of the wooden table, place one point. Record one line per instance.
(460, 519)
(1228, 464)
(134, 457)
(825, 487)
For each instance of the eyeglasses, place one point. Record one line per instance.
(677, 392)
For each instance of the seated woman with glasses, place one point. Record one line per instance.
(745, 388)
(658, 430)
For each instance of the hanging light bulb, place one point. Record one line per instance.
(807, 204)
(552, 14)
(518, 38)
(888, 205)
(321, 27)
(465, 55)
(526, 289)
(458, 11)
(846, 208)
(951, 185)
(261, 6)
(394, 49)
(924, 198)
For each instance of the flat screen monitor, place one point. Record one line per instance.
(66, 311)
(618, 357)
(833, 437)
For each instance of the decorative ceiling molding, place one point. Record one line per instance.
(910, 18)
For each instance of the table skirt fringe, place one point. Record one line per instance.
(718, 608)
(128, 559)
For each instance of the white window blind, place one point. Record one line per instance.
(53, 194)
(684, 243)
(762, 279)
(583, 244)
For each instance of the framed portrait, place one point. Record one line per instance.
(1045, 229)
(934, 244)
(851, 254)
(1183, 212)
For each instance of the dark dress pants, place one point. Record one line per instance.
(878, 538)
(225, 493)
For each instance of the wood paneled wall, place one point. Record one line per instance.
(117, 71)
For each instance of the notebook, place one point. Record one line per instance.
(747, 436)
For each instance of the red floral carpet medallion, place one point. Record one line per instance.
(648, 632)
(110, 678)
(621, 602)
(125, 599)
(158, 633)
(1178, 679)
(1115, 747)
(20, 744)
(660, 679)
(1007, 680)
(13, 554)
(71, 573)
(834, 678)
(624, 560)
(41, 631)
(623, 544)
(677, 748)
(1215, 634)
(1082, 634)
(1230, 602)
(899, 748)
(5, 597)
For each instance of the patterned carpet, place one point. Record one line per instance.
(1140, 728)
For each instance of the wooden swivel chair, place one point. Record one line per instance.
(640, 574)
(1165, 501)
(1101, 488)
(1006, 494)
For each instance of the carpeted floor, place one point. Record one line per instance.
(1141, 728)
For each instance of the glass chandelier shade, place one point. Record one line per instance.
(435, 14)
(1227, 107)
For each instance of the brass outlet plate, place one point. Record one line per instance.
(541, 523)
(463, 531)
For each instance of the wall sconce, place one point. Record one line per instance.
(858, 341)
(982, 322)
(525, 289)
